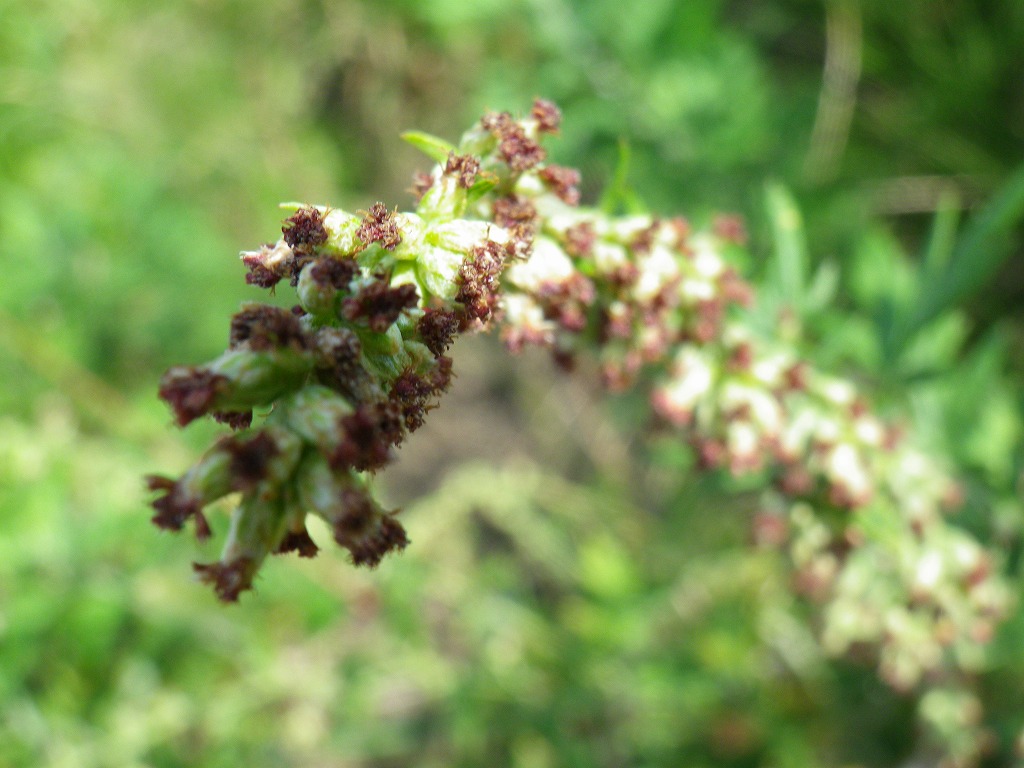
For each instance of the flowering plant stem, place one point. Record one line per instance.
(497, 238)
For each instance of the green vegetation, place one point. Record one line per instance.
(575, 592)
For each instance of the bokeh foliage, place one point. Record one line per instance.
(580, 598)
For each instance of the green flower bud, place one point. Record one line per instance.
(257, 378)
(385, 352)
(313, 413)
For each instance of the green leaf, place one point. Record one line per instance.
(982, 248)
(481, 187)
(619, 196)
(433, 147)
(823, 287)
(942, 238)
(789, 267)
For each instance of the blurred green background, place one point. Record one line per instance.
(575, 594)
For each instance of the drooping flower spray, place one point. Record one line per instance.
(498, 239)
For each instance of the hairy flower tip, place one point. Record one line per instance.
(478, 280)
(250, 456)
(380, 304)
(191, 392)
(228, 580)
(304, 230)
(176, 506)
(518, 151)
(298, 541)
(237, 420)
(463, 168)
(365, 532)
(369, 433)
(263, 327)
(379, 226)
(547, 114)
(562, 182)
(437, 328)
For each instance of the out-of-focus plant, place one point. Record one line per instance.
(498, 236)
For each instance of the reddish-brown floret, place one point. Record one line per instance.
(176, 506)
(191, 392)
(517, 215)
(518, 151)
(464, 168)
(411, 391)
(364, 532)
(229, 580)
(380, 304)
(478, 280)
(259, 274)
(250, 458)
(562, 182)
(263, 327)
(644, 239)
(566, 302)
(237, 420)
(547, 115)
(336, 273)
(379, 226)
(579, 239)
(298, 541)
(370, 549)
(437, 328)
(421, 183)
(730, 228)
(304, 230)
(369, 434)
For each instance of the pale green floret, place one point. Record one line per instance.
(438, 270)
(341, 232)
(257, 527)
(282, 465)
(210, 478)
(477, 141)
(385, 352)
(258, 378)
(412, 228)
(422, 358)
(319, 487)
(312, 413)
(315, 297)
(406, 273)
(444, 201)
(547, 264)
(463, 235)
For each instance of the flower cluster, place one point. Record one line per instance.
(860, 508)
(498, 238)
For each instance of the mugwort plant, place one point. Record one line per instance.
(319, 396)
